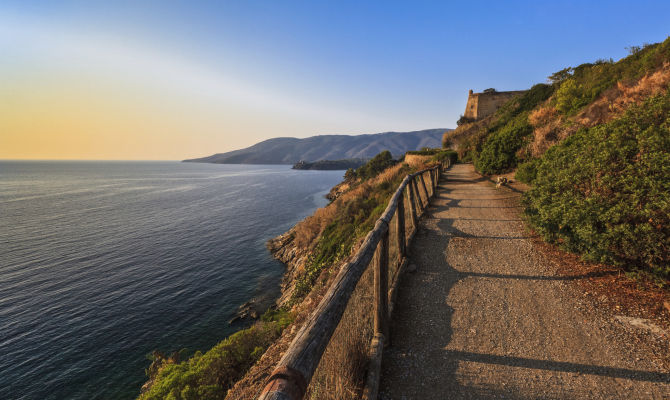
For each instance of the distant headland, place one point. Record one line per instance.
(290, 151)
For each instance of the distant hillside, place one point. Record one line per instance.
(330, 165)
(327, 147)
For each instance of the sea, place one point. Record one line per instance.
(103, 262)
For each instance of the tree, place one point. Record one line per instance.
(560, 76)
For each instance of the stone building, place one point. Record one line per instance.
(481, 105)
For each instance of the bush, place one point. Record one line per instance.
(445, 155)
(605, 191)
(357, 212)
(210, 375)
(581, 85)
(527, 171)
(376, 165)
(426, 151)
(510, 132)
(464, 120)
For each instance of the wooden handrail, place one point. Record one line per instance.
(294, 371)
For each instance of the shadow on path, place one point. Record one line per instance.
(428, 359)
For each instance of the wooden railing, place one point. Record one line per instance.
(293, 373)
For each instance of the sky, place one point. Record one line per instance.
(168, 80)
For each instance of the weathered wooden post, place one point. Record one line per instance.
(412, 203)
(423, 183)
(381, 286)
(400, 228)
(432, 182)
(419, 201)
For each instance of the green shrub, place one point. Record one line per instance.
(527, 171)
(426, 151)
(499, 150)
(353, 221)
(581, 85)
(445, 155)
(605, 191)
(210, 375)
(510, 132)
(376, 165)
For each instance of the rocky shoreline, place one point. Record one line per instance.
(284, 249)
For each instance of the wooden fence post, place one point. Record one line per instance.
(432, 181)
(400, 228)
(381, 287)
(423, 183)
(419, 201)
(412, 203)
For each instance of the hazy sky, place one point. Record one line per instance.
(173, 80)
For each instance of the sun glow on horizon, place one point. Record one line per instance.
(79, 96)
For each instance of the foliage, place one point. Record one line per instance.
(510, 132)
(446, 154)
(527, 171)
(426, 151)
(373, 167)
(560, 76)
(355, 217)
(605, 191)
(210, 375)
(581, 85)
(464, 120)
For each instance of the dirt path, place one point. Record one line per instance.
(485, 316)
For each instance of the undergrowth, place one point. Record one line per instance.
(354, 215)
(605, 191)
(209, 375)
(508, 133)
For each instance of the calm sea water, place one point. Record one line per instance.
(103, 262)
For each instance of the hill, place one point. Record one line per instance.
(327, 147)
(330, 165)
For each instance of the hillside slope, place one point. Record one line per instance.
(594, 145)
(327, 147)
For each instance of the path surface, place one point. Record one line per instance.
(485, 316)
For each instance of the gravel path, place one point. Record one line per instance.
(485, 316)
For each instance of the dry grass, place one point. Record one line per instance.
(551, 128)
(341, 372)
(308, 230)
(616, 100)
(414, 160)
(547, 124)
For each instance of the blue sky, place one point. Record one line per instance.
(224, 75)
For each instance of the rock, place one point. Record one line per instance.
(641, 323)
(411, 268)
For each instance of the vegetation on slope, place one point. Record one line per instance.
(581, 85)
(334, 230)
(605, 191)
(331, 234)
(210, 375)
(594, 146)
(510, 132)
(330, 165)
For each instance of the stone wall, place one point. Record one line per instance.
(481, 105)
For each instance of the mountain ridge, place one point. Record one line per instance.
(289, 150)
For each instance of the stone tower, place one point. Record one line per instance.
(481, 105)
